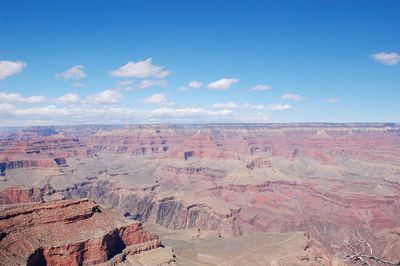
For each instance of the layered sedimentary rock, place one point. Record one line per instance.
(318, 141)
(12, 195)
(172, 212)
(70, 232)
(235, 180)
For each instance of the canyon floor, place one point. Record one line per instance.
(219, 194)
(192, 247)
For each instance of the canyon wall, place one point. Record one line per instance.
(76, 232)
(322, 179)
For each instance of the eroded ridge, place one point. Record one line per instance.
(69, 232)
(323, 180)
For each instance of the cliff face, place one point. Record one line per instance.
(20, 195)
(75, 232)
(231, 179)
(15, 164)
(281, 206)
(172, 212)
(320, 141)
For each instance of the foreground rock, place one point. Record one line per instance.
(69, 232)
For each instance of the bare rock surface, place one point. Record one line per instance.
(69, 232)
(236, 180)
(193, 247)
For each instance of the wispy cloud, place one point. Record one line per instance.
(194, 84)
(75, 73)
(69, 98)
(293, 97)
(104, 97)
(140, 69)
(331, 100)
(147, 83)
(265, 107)
(110, 114)
(71, 114)
(9, 68)
(222, 84)
(100, 108)
(78, 84)
(157, 98)
(188, 112)
(390, 59)
(17, 98)
(126, 82)
(228, 105)
(268, 107)
(261, 87)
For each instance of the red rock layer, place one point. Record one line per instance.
(75, 232)
(12, 195)
(320, 142)
(282, 206)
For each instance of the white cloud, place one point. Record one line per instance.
(69, 98)
(222, 84)
(107, 114)
(261, 107)
(147, 83)
(188, 112)
(51, 114)
(228, 105)
(17, 98)
(34, 99)
(157, 98)
(125, 82)
(104, 97)
(140, 69)
(261, 87)
(37, 111)
(293, 97)
(9, 68)
(277, 107)
(99, 109)
(270, 107)
(390, 59)
(194, 84)
(84, 112)
(191, 85)
(75, 72)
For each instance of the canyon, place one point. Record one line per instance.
(70, 232)
(215, 194)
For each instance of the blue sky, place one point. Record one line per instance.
(78, 62)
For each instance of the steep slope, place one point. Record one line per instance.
(235, 180)
(70, 232)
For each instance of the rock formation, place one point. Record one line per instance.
(69, 232)
(234, 180)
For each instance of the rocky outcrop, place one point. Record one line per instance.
(172, 212)
(72, 232)
(173, 176)
(377, 142)
(61, 161)
(44, 146)
(234, 179)
(297, 207)
(12, 195)
(44, 163)
(275, 187)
